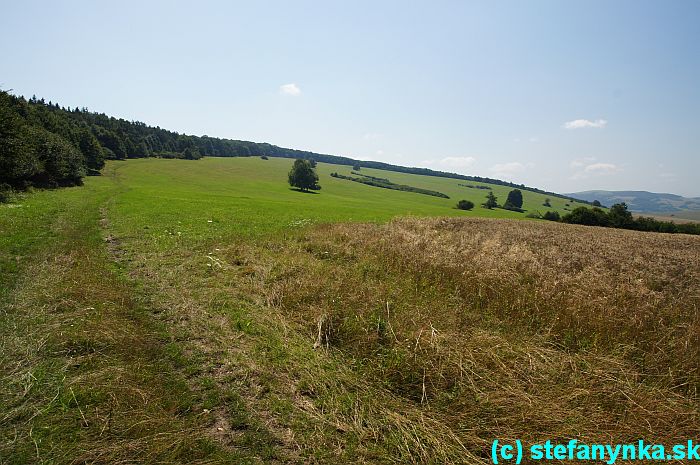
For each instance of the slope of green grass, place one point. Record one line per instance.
(250, 195)
(87, 375)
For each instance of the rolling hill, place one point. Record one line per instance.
(643, 201)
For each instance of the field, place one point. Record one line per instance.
(202, 312)
(677, 217)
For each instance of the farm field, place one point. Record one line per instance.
(679, 217)
(175, 311)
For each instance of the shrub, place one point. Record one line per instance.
(514, 200)
(551, 216)
(465, 205)
(511, 207)
(587, 216)
(547, 203)
(5, 192)
(191, 153)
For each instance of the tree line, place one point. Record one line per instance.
(618, 216)
(45, 144)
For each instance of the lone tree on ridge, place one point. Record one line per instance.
(303, 176)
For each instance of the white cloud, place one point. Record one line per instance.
(601, 168)
(451, 162)
(590, 167)
(585, 123)
(581, 162)
(457, 162)
(290, 89)
(507, 169)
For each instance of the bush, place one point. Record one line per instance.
(465, 205)
(263, 157)
(587, 216)
(511, 207)
(5, 193)
(551, 216)
(191, 153)
(514, 200)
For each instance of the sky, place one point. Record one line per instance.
(564, 96)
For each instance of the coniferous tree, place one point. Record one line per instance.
(491, 201)
(92, 151)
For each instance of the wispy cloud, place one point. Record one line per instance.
(508, 169)
(451, 162)
(290, 89)
(585, 123)
(601, 168)
(581, 162)
(590, 167)
(457, 162)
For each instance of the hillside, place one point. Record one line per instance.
(642, 201)
(44, 144)
(181, 311)
(220, 183)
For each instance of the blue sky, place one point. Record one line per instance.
(565, 96)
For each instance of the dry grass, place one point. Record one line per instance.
(508, 329)
(418, 341)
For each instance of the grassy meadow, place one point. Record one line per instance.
(175, 311)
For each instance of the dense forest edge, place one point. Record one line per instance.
(44, 144)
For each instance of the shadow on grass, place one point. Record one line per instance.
(302, 191)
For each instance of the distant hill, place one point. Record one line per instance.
(642, 201)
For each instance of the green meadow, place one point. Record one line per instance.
(250, 195)
(173, 311)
